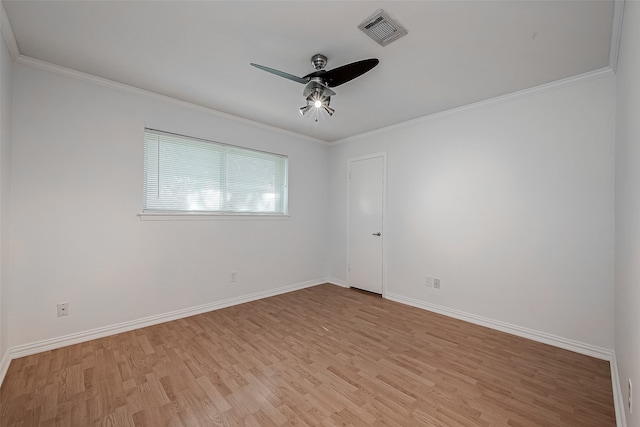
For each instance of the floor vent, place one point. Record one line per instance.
(382, 28)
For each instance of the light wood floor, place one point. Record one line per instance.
(320, 356)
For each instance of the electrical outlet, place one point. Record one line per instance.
(436, 283)
(234, 276)
(63, 309)
(630, 397)
(428, 282)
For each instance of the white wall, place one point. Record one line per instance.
(627, 291)
(6, 91)
(510, 204)
(77, 187)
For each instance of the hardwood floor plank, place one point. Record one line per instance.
(321, 356)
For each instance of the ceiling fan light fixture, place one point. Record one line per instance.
(305, 110)
(317, 91)
(317, 102)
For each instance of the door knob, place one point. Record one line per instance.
(376, 234)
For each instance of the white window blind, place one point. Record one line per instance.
(186, 174)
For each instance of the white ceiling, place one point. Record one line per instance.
(456, 52)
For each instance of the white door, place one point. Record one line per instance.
(365, 234)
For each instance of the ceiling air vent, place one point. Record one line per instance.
(382, 28)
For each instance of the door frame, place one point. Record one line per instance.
(382, 155)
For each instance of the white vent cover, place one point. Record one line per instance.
(382, 28)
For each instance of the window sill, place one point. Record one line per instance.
(197, 216)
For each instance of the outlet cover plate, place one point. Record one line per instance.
(63, 309)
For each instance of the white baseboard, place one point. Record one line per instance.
(578, 347)
(556, 341)
(4, 365)
(337, 282)
(92, 334)
(543, 337)
(618, 397)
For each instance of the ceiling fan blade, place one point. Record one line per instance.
(348, 72)
(281, 73)
(312, 85)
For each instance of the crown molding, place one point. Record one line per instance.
(580, 78)
(7, 33)
(100, 81)
(616, 33)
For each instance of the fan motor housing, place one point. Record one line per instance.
(319, 61)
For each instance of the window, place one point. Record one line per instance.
(183, 174)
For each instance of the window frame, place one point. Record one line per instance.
(151, 214)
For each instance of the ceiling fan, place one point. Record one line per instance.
(317, 84)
